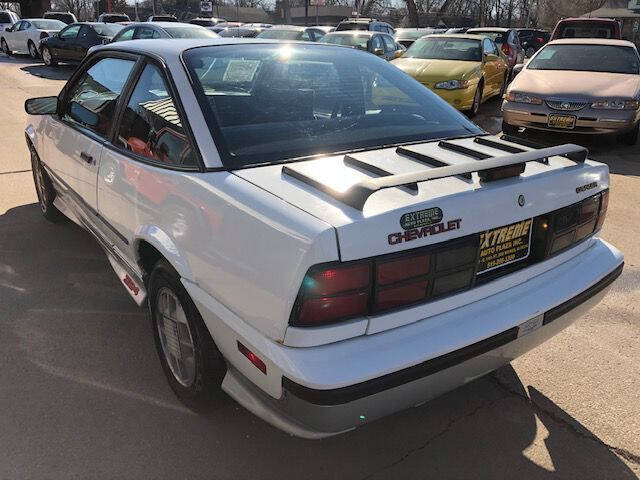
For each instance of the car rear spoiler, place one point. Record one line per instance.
(358, 194)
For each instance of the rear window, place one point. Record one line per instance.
(586, 30)
(497, 37)
(63, 17)
(352, 26)
(48, 24)
(445, 49)
(107, 30)
(190, 32)
(411, 34)
(358, 41)
(268, 103)
(586, 58)
(5, 18)
(281, 34)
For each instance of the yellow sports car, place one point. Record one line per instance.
(465, 70)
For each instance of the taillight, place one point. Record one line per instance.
(506, 49)
(576, 222)
(540, 40)
(333, 294)
(43, 35)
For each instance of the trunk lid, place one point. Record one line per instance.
(402, 218)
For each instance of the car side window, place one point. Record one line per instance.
(376, 42)
(84, 32)
(146, 33)
(127, 34)
(389, 44)
(16, 26)
(151, 125)
(24, 26)
(70, 32)
(487, 47)
(91, 101)
(306, 36)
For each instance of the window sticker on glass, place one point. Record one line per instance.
(240, 70)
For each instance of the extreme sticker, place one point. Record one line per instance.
(421, 218)
(504, 245)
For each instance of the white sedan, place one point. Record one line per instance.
(24, 36)
(314, 232)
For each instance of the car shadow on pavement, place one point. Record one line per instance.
(83, 394)
(60, 72)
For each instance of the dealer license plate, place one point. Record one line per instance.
(561, 121)
(504, 245)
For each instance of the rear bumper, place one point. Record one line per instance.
(333, 388)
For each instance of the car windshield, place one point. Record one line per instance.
(190, 32)
(411, 34)
(269, 103)
(5, 18)
(281, 34)
(584, 29)
(48, 24)
(586, 58)
(439, 48)
(108, 29)
(350, 40)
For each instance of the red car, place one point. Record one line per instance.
(587, 28)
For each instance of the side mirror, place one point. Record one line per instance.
(517, 68)
(8, 29)
(41, 106)
(83, 115)
(106, 41)
(378, 51)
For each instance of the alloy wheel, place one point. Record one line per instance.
(40, 186)
(32, 50)
(5, 47)
(175, 337)
(46, 56)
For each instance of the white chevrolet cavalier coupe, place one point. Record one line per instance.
(314, 232)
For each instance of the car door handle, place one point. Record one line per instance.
(86, 157)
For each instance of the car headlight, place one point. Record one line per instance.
(452, 84)
(616, 104)
(522, 98)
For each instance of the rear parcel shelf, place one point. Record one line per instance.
(357, 195)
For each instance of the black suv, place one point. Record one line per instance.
(532, 39)
(359, 23)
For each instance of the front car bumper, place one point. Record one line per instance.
(461, 98)
(588, 120)
(334, 388)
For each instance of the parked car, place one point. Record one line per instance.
(207, 22)
(113, 17)
(146, 30)
(324, 28)
(162, 18)
(380, 44)
(241, 32)
(72, 42)
(258, 25)
(7, 19)
(584, 27)
(465, 70)
(406, 36)
(222, 25)
(292, 32)
(360, 23)
(25, 35)
(506, 39)
(66, 17)
(409, 278)
(532, 40)
(587, 86)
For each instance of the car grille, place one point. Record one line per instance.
(566, 105)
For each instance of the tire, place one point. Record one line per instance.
(196, 377)
(44, 189)
(508, 129)
(5, 48)
(33, 51)
(477, 100)
(47, 57)
(631, 137)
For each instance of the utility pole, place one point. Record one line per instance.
(306, 12)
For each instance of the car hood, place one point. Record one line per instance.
(429, 70)
(464, 206)
(565, 84)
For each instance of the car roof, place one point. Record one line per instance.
(591, 41)
(297, 28)
(161, 24)
(357, 32)
(587, 19)
(468, 36)
(490, 29)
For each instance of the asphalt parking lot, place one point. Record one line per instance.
(82, 394)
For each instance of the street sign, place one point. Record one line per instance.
(206, 6)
